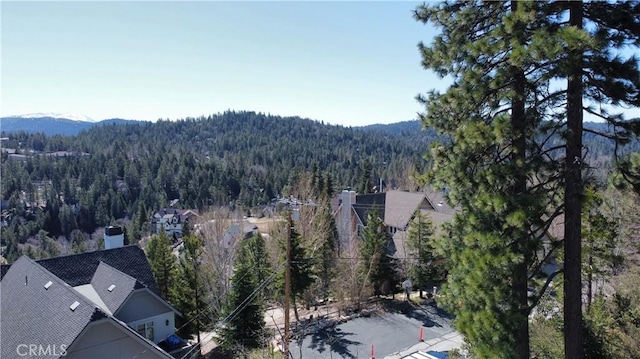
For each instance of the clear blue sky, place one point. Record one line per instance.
(350, 63)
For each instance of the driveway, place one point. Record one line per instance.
(394, 328)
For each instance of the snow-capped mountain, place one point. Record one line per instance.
(66, 124)
(68, 116)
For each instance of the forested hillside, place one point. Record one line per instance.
(52, 125)
(129, 171)
(66, 186)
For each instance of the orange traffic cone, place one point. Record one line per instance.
(421, 334)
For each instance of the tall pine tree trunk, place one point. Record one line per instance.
(521, 274)
(573, 336)
(518, 123)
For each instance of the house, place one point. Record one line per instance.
(96, 304)
(234, 231)
(397, 210)
(171, 221)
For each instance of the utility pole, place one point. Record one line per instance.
(287, 290)
(195, 278)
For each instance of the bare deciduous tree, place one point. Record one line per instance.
(220, 244)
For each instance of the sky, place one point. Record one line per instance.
(348, 63)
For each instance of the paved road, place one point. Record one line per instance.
(390, 331)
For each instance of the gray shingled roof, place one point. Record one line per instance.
(371, 202)
(123, 285)
(79, 269)
(38, 308)
(401, 206)
(32, 314)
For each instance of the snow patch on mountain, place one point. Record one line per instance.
(69, 116)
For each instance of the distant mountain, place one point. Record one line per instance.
(409, 130)
(601, 149)
(54, 124)
(67, 116)
(397, 128)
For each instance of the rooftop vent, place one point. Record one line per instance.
(111, 287)
(49, 283)
(74, 306)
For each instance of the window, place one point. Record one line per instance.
(146, 330)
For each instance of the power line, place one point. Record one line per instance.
(236, 311)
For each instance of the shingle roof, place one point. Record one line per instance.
(106, 277)
(371, 202)
(401, 206)
(438, 201)
(38, 308)
(79, 269)
(33, 314)
(170, 212)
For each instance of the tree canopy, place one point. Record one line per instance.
(512, 156)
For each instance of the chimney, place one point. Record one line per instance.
(113, 237)
(348, 199)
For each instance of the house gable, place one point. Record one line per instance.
(108, 338)
(113, 286)
(401, 207)
(141, 304)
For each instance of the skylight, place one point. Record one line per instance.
(49, 283)
(74, 305)
(111, 287)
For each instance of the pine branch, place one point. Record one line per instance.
(542, 291)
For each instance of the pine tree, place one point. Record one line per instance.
(629, 172)
(259, 260)
(244, 314)
(423, 259)
(163, 264)
(503, 57)
(491, 164)
(377, 265)
(190, 298)
(366, 178)
(599, 241)
(301, 268)
(325, 266)
(596, 72)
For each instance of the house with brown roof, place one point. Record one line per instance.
(396, 209)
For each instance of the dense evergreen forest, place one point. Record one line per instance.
(69, 186)
(243, 159)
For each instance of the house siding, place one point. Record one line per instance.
(142, 307)
(106, 341)
(160, 328)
